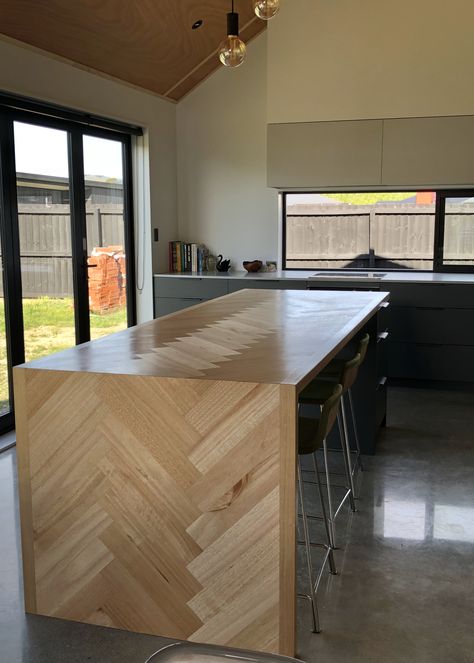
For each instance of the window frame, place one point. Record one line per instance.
(440, 206)
(440, 219)
(77, 126)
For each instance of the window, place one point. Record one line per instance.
(455, 242)
(424, 230)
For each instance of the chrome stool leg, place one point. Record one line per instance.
(332, 565)
(312, 595)
(354, 425)
(347, 453)
(331, 515)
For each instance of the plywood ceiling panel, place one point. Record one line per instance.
(148, 43)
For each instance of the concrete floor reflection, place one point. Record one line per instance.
(405, 589)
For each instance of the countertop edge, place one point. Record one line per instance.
(285, 275)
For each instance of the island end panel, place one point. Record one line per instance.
(158, 505)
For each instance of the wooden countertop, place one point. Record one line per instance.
(262, 336)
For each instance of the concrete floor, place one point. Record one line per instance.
(405, 591)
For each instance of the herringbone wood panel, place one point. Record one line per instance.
(159, 505)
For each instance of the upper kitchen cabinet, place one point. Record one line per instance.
(428, 151)
(320, 154)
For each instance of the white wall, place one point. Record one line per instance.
(370, 59)
(28, 72)
(223, 199)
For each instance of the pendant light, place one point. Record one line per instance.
(232, 50)
(266, 9)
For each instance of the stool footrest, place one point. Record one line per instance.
(310, 516)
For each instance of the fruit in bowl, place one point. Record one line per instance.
(252, 265)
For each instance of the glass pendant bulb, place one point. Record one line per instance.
(266, 9)
(232, 50)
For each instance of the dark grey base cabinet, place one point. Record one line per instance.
(174, 293)
(431, 332)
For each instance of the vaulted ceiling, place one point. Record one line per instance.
(149, 43)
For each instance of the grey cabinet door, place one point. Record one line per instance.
(276, 284)
(165, 305)
(428, 151)
(189, 286)
(444, 326)
(427, 295)
(431, 362)
(314, 154)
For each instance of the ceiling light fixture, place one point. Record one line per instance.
(266, 9)
(232, 50)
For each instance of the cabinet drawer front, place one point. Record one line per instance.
(165, 305)
(447, 326)
(346, 285)
(431, 362)
(201, 288)
(444, 295)
(240, 284)
(276, 284)
(380, 404)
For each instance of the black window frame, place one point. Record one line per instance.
(77, 125)
(438, 266)
(439, 232)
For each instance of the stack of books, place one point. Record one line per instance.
(187, 257)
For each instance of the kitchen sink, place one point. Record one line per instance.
(348, 275)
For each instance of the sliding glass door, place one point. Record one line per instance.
(106, 234)
(66, 237)
(5, 404)
(44, 225)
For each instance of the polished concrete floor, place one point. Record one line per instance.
(405, 591)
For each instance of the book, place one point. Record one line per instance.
(179, 259)
(189, 255)
(173, 255)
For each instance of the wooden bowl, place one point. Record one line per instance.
(252, 265)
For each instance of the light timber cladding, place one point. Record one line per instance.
(155, 505)
(157, 468)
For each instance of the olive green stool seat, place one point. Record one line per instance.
(343, 372)
(315, 394)
(312, 434)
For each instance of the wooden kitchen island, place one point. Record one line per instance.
(157, 467)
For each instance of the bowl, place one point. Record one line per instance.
(252, 265)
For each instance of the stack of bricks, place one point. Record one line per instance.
(107, 278)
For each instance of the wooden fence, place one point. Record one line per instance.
(45, 244)
(386, 236)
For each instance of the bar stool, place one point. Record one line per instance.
(343, 372)
(315, 394)
(312, 434)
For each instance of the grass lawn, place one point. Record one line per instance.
(49, 327)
